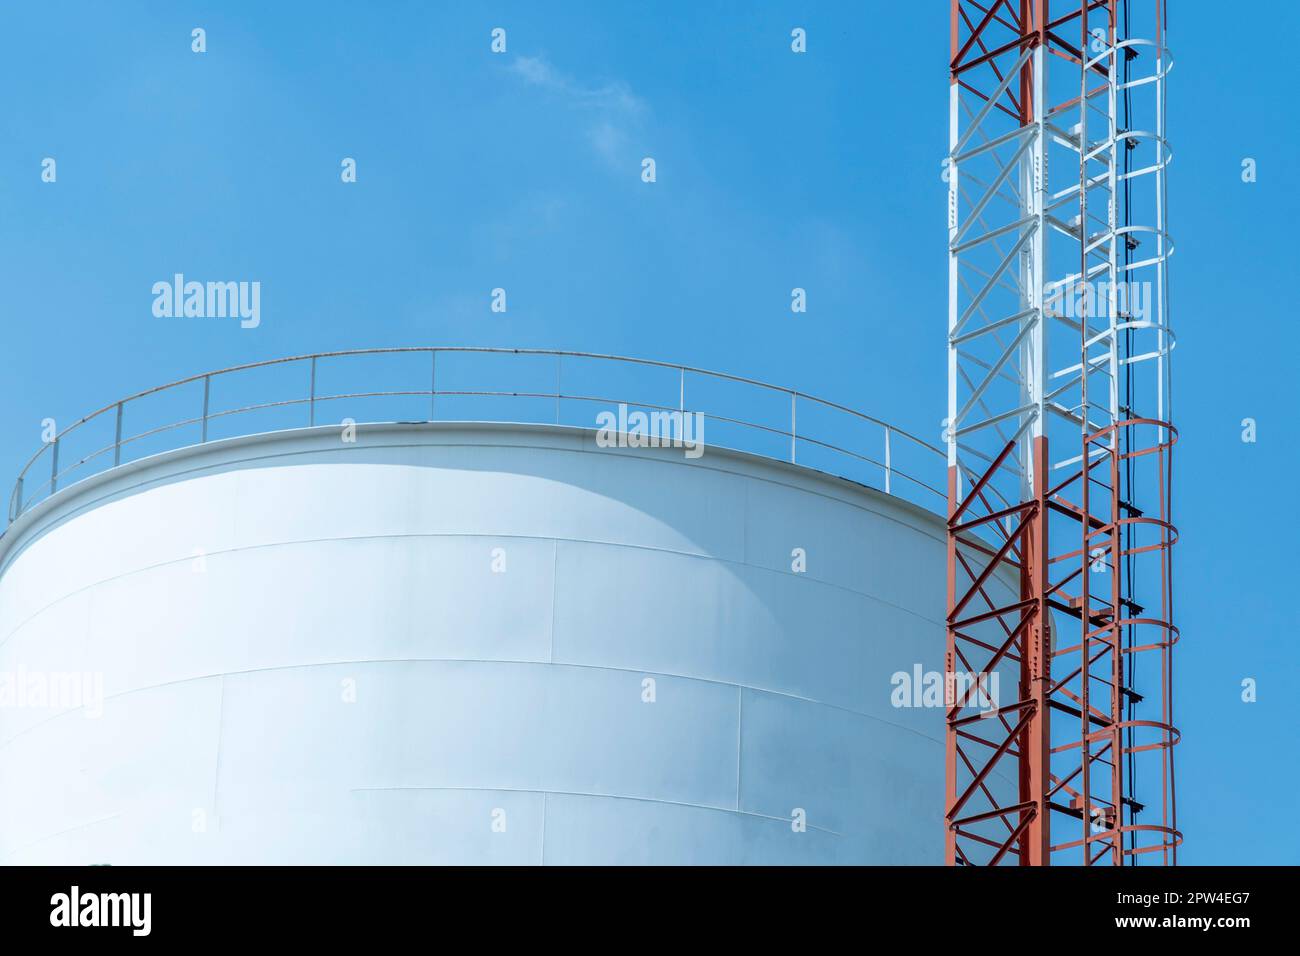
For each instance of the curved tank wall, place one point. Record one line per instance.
(467, 644)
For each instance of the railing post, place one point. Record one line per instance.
(433, 383)
(311, 400)
(207, 384)
(54, 466)
(117, 438)
(887, 461)
(793, 396)
(681, 390)
(557, 388)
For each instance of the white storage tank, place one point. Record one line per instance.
(469, 643)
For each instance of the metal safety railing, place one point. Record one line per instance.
(38, 481)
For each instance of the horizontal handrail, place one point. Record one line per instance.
(119, 408)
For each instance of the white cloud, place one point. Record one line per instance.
(613, 97)
(614, 106)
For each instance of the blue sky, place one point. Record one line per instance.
(522, 171)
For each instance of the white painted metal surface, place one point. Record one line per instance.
(432, 646)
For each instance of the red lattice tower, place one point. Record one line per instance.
(1060, 728)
